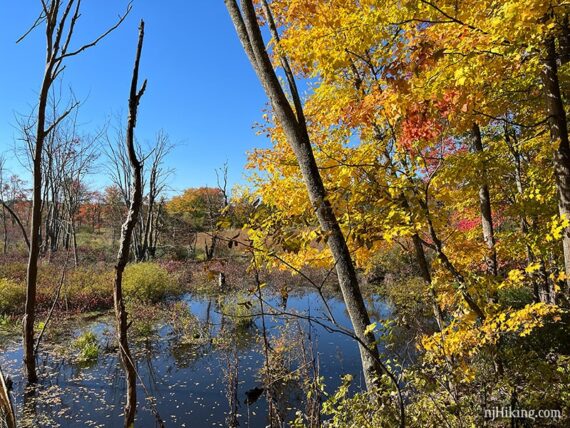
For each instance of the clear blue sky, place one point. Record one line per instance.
(201, 89)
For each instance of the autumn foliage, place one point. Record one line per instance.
(432, 122)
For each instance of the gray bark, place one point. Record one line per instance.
(59, 21)
(559, 136)
(485, 205)
(293, 123)
(125, 242)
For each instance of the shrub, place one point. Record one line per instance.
(88, 288)
(149, 282)
(88, 347)
(15, 271)
(12, 296)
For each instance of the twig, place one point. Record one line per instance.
(55, 300)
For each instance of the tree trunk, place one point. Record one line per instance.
(5, 230)
(125, 242)
(74, 243)
(447, 264)
(6, 406)
(485, 205)
(559, 136)
(293, 123)
(32, 270)
(426, 276)
(16, 219)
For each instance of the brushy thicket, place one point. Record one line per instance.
(86, 287)
(150, 283)
(12, 295)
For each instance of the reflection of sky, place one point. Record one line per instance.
(187, 382)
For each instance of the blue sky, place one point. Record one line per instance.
(201, 88)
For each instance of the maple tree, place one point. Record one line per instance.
(441, 127)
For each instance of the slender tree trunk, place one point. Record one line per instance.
(125, 242)
(426, 276)
(32, 270)
(17, 220)
(424, 268)
(559, 136)
(6, 406)
(447, 264)
(5, 230)
(74, 243)
(148, 227)
(293, 123)
(485, 205)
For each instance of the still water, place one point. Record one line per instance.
(183, 383)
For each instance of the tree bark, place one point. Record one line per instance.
(559, 136)
(18, 222)
(485, 205)
(426, 276)
(293, 123)
(447, 264)
(32, 270)
(126, 237)
(6, 406)
(59, 21)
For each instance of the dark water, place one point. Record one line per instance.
(185, 384)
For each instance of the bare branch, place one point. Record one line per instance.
(98, 39)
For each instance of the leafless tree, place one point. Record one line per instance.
(136, 201)
(59, 18)
(67, 158)
(155, 177)
(9, 191)
(157, 181)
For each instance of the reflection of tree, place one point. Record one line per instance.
(29, 410)
(186, 355)
(230, 368)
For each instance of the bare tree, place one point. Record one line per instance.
(157, 177)
(216, 206)
(126, 237)
(60, 19)
(80, 156)
(8, 193)
(293, 121)
(66, 160)
(154, 177)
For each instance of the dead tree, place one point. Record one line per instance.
(60, 19)
(154, 181)
(7, 210)
(126, 237)
(8, 191)
(157, 176)
(4, 222)
(292, 119)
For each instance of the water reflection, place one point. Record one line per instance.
(212, 376)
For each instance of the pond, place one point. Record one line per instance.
(185, 383)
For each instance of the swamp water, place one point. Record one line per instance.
(185, 382)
